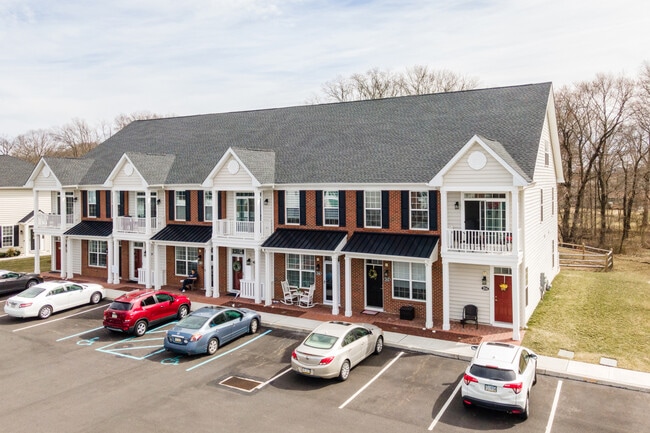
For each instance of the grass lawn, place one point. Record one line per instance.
(597, 314)
(25, 264)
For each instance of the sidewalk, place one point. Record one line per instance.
(556, 367)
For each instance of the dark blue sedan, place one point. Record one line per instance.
(206, 329)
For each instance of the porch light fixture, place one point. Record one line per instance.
(75, 199)
(158, 201)
(456, 205)
(317, 267)
(484, 279)
(248, 261)
(266, 201)
(386, 274)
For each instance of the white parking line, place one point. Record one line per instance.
(262, 385)
(446, 405)
(555, 401)
(60, 318)
(80, 333)
(371, 380)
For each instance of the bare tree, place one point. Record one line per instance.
(376, 84)
(5, 146)
(33, 145)
(75, 139)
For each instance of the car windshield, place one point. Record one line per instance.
(120, 306)
(320, 341)
(492, 373)
(32, 292)
(192, 322)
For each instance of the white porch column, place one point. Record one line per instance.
(215, 272)
(157, 281)
(147, 260)
(268, 278)
(429, 296)
(516, 308)
(207, 270)
(514, 195)
(109, 261)
(257, 224)
(37, 238)
(64, 209)
(445, 295)
(116, 261)
(258, 274)
(348, 286)
(336, 285)
(63, 266)
(68, 253)
(147, 220)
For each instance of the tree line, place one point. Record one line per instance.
(603, 127)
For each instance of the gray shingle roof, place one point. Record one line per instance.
(395, 140)
(69, 171)
(154, 168)
(14, 172)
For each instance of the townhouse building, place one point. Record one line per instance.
(432, 202)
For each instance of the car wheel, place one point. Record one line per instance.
(31, 283)
(345, 371)
(213, 346)
(526, 411)
(379, 345)
(95, 298)
(182, 311)
(45, 312)
(254, 326)
(140, 328)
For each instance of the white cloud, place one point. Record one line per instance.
(93, 60)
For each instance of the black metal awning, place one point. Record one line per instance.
(184, 233)
(390, 244)
(311, 240)
(91, 229)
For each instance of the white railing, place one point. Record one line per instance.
(127, 224)
(247, 289)
(483, 241)
(53, 221)
(142, 275)
(243, 229)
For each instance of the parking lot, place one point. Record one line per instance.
(68, 374)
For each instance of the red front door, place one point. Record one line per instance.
(503, 298)
(57, 255)
(237, 272)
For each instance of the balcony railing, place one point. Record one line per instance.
(247, 289)
(53, 221)
(127, 224)
(242, 229)
(481, 241)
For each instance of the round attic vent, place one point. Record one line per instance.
(233, 167)
(46, 172)
(477, 160)
(128, 169)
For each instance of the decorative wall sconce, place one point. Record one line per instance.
(386, 274)
(266, 201)
(158, 201)
(248, 261)
(456, 205)
(75, 199)
(317, 267)
(484, 279)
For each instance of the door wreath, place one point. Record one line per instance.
(372, 274)
(236, 266)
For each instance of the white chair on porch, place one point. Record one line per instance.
(290, 293)
(306, 298)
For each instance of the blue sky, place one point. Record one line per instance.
(93, 60)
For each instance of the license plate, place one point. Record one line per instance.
(491, 388)
(178, 340)
(114, 315)
(304, 370)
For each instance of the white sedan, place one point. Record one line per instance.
(46, 298)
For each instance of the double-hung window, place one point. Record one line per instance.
(420, 210)
(92, 203)
(300, 270)
(207, 206)
(97, 253)
(7, 236)
(331, 208)
(409, 281)
(186, 260)
(372, 205)
(180, 206)
(292, 204)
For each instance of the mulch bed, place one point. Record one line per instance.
(428, 333)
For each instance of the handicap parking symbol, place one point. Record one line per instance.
(87, 342)
(171, 361)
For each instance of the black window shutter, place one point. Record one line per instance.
(17, 236)
(120, 205)
(171, 205)
(319, 208)
(303, 207)
(341, 208)
(280, 207)
(84, 203)
(385, 210)
(360, 209)
(405, 210)
(433, 210)
(98, 207)
(219, 205)
(188, 205)
(200, 205)
(108, 204)
(0, 238)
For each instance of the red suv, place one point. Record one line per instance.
(138, 310)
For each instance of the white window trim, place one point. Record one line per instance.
(425, 210)
(366, 209)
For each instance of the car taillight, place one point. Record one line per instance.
(294, 355)
(326, 361)
(25, 305)
(515, 387)
(469, 379)
(196, 337)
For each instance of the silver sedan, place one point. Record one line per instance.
(334, 348)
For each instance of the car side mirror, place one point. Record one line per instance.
(532, 355)
(474, 347)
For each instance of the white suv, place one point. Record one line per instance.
(500, 377)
